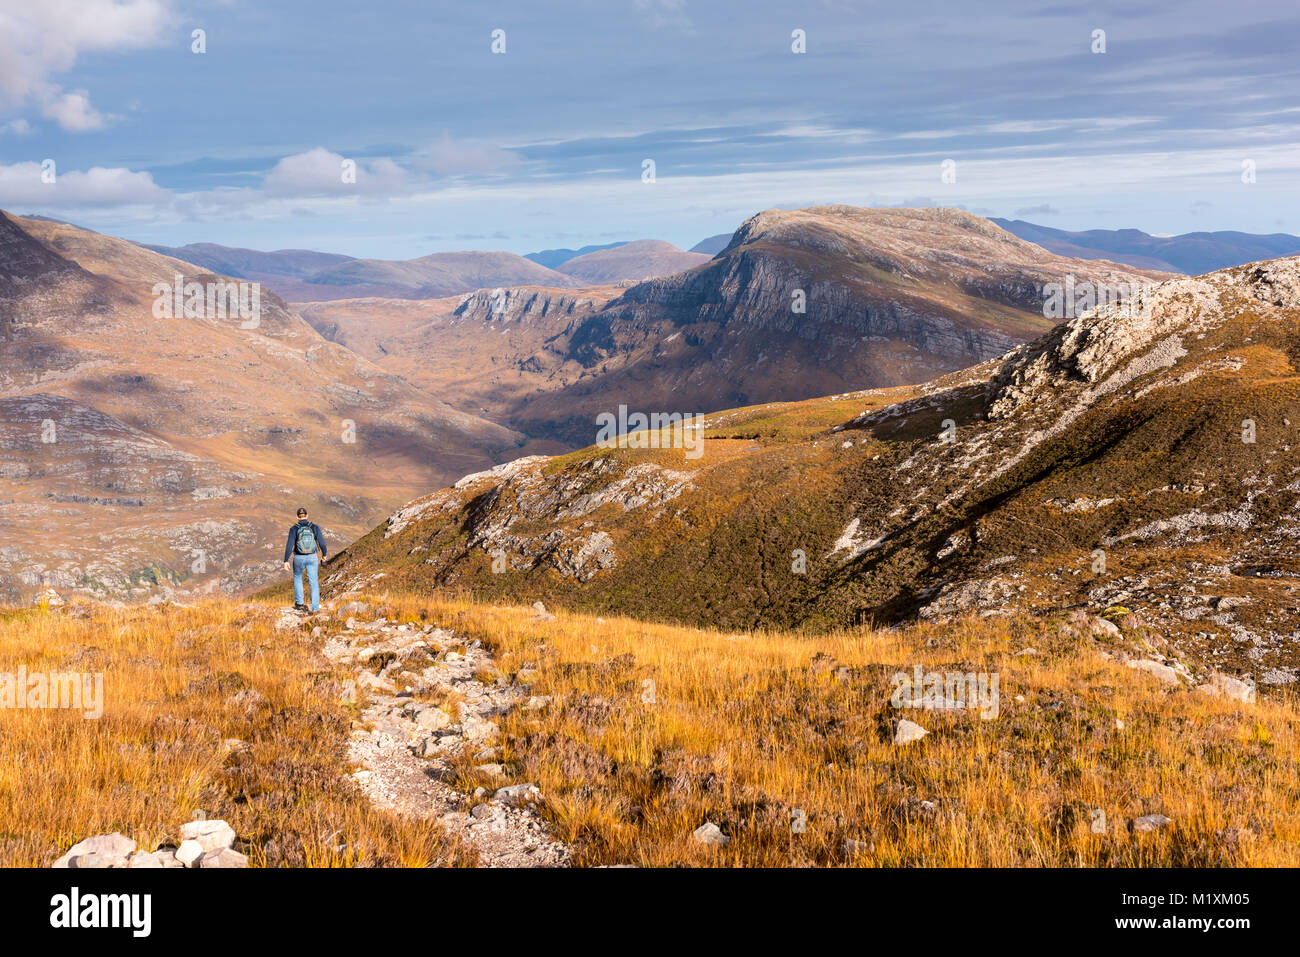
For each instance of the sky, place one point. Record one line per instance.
(1176, 117)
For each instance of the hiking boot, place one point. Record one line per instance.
(298, 607)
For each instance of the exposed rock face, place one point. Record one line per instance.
(524, 303)
(523, 521)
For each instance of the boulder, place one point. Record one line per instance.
(908, 731)
(189, 852)
(518, 795)
(432, 719)
(1102, 627)
(1166, 674)
(1148, 823)
(222, 857)
(210, 835)
(710, 834)
(163, 857)
(102, 850)
(1226, 686)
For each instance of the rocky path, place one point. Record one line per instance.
(406, 745)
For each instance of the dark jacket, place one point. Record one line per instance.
(293, 535)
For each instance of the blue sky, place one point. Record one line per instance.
(457, 147)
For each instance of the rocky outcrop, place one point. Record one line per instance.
(524, 303)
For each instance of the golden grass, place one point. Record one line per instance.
(757, 731)
(178, 684)
(782, 739)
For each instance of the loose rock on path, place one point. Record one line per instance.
(406, 747)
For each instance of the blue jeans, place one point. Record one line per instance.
(312, 564)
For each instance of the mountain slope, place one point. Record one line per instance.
(252, 263)
(713, 245)
(1192, 253)
(554, 258)
(437, 275)
(1144, 460)
(115, 418)
(643, 259)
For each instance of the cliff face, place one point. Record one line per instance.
(525, 303)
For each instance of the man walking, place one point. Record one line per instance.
(305, 538)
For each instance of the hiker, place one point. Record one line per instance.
(305, 538)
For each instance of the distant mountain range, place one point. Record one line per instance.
(300, 275)
(555, 258)
(1190, 253)
(713, 245)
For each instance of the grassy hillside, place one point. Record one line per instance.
(207, 709)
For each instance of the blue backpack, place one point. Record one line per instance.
(305, 542)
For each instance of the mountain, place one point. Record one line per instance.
(888, 297)
(252, 263)
(1141, 458)
(1192, 253)
(130, 440)
(433, 276)
(554, 258)
(713, 245)
(643, 259)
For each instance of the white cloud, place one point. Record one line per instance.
(73, 112)
(320, 172)
(39, 40)
(18, 127)
(448, 157)
(21, 186)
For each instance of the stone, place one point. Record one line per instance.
(189, 852)
(1148, 823)
(210, 835)
(352, 608)
(349, 694)
(908, 731)
(481, 812)
(491, 770)
(223, 857)
(49, 598)
(537, 703)
(433, 719)
(427, 747)
(1100, 626)
(518, 795)
(709, 834)
(1226, 686)
(540, 613)
(162, 857)
(1166, 674)
(106, 850)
